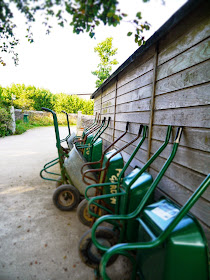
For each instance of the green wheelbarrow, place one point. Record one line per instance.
(109, 204)
(72, 138)
(111, 165)
(171, 243)
(67, 195)
(130, 194)
(109, 186)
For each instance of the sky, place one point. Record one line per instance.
(63, 61)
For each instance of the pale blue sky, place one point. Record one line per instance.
(63, 61)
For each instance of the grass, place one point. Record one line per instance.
(38, 121)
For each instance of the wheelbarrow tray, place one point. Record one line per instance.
(73, 165)
(70, 140)
(184, 254)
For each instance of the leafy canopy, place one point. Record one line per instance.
(82, 15)
(32, 98)
(105, 52)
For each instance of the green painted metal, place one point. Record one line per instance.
(65, 177)
(87, 147)
(123, 194)
(111, 174)
(25, 118)
(68, 125)
(183, 254)
(113, 187)
(135, 213)
(171, 243)
(96, 152)
(136, 192)
(61, 153)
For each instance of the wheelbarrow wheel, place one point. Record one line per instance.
(89, 254)
(66, 197)
(83, 214)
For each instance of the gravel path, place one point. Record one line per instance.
(37, 240)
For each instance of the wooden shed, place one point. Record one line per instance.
(167, 82)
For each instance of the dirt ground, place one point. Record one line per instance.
(37, 241)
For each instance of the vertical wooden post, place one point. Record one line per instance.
(152, 105)
(101, 101)
(115, 105)
(79, 122)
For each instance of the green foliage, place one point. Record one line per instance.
(5, 116)
(73, 104)
(38, 120)
(81, 15)
(32, 98)
(105, 52)
(5, 119)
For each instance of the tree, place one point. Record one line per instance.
(83, 15)
(105, 52)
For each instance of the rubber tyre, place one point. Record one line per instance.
(82, 213)
(88, 252)
(66, 197)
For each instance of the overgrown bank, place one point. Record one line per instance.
(32, 98)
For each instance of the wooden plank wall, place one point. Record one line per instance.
(181, 83)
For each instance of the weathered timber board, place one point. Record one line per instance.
(135, 162)
(108, 110)
(141, 155)
(196, 138)
(141, 105)
(135, 95)
(191, 57)
(194, 36)
(196, 160)
(108, 97)
(187, 177)
(195, 75)
(133, 127)
(135, 72)
(129, 137)
(141, 81)
(191, 117)
(190, 97)
(136, 117)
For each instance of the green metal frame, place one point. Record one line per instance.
(69, 130)
(65, 178)
(155, 241)
(137, 211)
(92, 128)
(125, 192)
(100, 162)
(96, 120)
(96, 136)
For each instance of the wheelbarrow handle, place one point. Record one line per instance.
(48, 110)
(140, 129)
(105, 151)
(127, 125)
(178, 134)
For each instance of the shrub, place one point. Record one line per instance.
(5, 119)
(32, 98)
